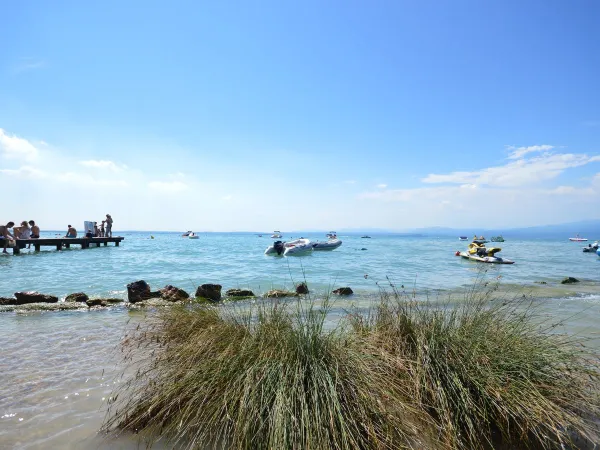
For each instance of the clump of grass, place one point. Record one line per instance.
(272, 378)
(489, 371)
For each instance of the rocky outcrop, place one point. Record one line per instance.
(569, 280)
(277, 293)
(79, 297)
(302, 289)
(239, 293)
(140, 290)
(8, 301)
(343, 291)
(94, 302)
(23, 298)
(104, 301)
(173, 294)
(210, 291)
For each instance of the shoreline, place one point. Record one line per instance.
(537, 290)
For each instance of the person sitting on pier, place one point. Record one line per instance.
(71, 232)
(23, 231)
(35, 230)
(5, 235)
(102, 228)
(96, 232)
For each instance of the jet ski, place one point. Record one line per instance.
(480, 253)
(591, 248)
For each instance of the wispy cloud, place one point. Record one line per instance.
(28, 63)
(103, 164)
(521, 172)
(14, 147)
(520, 152)
(24, 172)
(382, 186)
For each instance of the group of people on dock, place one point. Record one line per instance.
(27, 230)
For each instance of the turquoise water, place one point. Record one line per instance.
(58, 369)
(237, 260)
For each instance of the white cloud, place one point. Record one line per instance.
(522, 172)
(103, 164)
(168, 186)
(382, 186)
(517, 153)
(14, 147)
(24, 172)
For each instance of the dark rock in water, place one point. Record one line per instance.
(95, 302)
(540, 282)
(173, 294)
(23, 298)
(80, 297)
(112, 301)
(302, 288)
(138, 291)
(277, 293)
(239, 293)
(8, 301)
(343, 291)
(363, 248)
(210, 291)
(569, 280)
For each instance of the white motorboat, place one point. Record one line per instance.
(193, 235)
(591, 248)
(296, 247)
(577, 238)
(463, 238)
(186, 234)
(331, 244)
(276, 235)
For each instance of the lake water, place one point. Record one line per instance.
(57, 369)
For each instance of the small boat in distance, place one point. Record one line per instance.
(276, 235)
(365, 237)
(193, 235)
(186, 234)
(463, 238)
(577, 238)
(498, 239)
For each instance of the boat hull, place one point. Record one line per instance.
(578, 239)
(486, 259)
(329, 245)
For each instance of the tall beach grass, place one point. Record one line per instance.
(478, 373)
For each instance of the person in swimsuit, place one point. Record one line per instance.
(102, 228)
(35, 230)
(109, 223)
(23, 231)
(6, 235)
(71, 232)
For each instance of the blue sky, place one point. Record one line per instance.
(281, 115)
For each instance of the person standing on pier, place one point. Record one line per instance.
(102, 228)
(6, 235)
(109, 223)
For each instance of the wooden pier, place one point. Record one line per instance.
(63, 242)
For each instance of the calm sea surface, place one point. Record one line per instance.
(57, 369)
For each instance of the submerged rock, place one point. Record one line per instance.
(569, 280)
(80, 297)
(8, 301)
(95, 302)
(140, 290)
(302, 288)
(343, 291)
(155, 302)
(60, 306)
(277, 293)
(173, 294)
(210, 291)
(23, 298)
(239, 293)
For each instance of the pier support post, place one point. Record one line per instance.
(116, 243)
(67, 245)
(37, 247)
(16, 250)
(59, 246)
(105, 244)
(97, 244)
